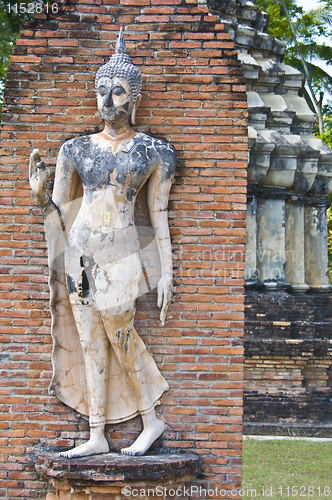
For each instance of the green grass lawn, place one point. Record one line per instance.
(287, 470)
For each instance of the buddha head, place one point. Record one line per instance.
(118, 84)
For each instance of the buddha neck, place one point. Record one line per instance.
(117, 137)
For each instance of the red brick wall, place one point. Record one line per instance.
(194, 96)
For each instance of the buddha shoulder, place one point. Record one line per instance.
(160, 153)
(78, 148)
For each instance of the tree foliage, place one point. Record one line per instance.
(309, 27)
(11, 24)
(326, 136)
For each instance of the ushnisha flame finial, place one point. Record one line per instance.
(120, 47)
(121, 66)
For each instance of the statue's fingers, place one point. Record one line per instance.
(34, 159)
(41, 165)
(165, 309)
(162, 312)
(160, 295)
(162, 317)
(42, 176)
(168, 308)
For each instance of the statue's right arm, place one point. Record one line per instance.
(38, 178)
(67, 185)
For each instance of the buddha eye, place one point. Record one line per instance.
(102, 90)
(118, 90)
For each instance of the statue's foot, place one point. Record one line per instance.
(92, 447)
(145, 439)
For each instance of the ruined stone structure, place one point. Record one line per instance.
(288, 305)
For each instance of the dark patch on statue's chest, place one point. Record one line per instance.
(99, 167)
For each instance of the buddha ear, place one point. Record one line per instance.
(133, 112)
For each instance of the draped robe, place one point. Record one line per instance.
(83, 167)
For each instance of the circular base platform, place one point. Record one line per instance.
(113, 467)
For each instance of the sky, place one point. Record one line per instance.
(307, 4)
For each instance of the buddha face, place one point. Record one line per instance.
(114, 99)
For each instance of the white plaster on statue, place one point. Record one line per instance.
(101, 366)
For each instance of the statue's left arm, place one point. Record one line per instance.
(159, 187)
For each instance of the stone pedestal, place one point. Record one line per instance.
(111, 475)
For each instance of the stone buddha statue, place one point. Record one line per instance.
(101, 367)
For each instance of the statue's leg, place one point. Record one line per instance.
(95, 346)
(122, 336)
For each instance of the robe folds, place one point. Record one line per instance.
(69, 375)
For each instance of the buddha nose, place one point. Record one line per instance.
(109, 100)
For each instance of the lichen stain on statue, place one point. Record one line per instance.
(101, 367)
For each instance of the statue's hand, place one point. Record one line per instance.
(38, 178)
(165, 294)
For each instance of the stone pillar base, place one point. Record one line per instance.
(112, 476)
